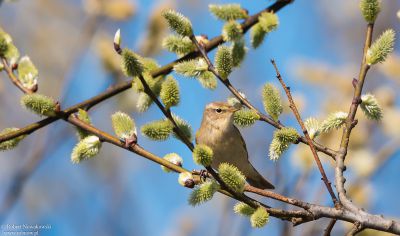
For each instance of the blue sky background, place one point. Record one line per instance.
(119, 193)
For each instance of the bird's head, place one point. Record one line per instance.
(219, 113)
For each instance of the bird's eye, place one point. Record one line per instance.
(218, 110)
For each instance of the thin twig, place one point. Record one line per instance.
(167, 113)
(350, 123)
(276, 196)
(328, 230)
(13, 78)
(305, 132)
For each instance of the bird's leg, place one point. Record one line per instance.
(202, 173)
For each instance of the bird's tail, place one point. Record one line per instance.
(257, 180)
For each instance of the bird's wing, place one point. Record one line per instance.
(243, 142)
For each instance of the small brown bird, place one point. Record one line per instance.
(219, 133)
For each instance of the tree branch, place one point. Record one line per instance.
(212, 44)
(350, 123)
(305, 132)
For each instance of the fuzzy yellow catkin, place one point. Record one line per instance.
(157, 130)
(169, 93)
(174, 159)
(232, 177)
(239, 51)
(12, 143)
(27, 73)
(203, 192)
(223, 61)
(39, 104)
(178, 23)
(208, 80)
(123, 125)
(245, 117)
(227, 12)
(87, 148)
(184, 127)
(203, 155)
(370, 9)
(232, 31)
(131, 65)
(381, 48)
(272, 101)
(259, 218)
(178, 44)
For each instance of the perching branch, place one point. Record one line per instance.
(305, 132)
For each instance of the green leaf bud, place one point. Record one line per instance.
(86, 149)
(203, 155)
(370, 9)
(334, 121)
(39, 104)
(381, 48)
(191, 68)
(203, 192)
(232, 177)
(170, 92)
(245, 117)
(259, 218)
(223, 61)
(157, 130)
(232, 31)
(174, 159)
(369, 105)
(178, 23)
(27, 73)
(243, 209)
(123, 125)
(272, 101)
(12, 143)
(228, 12)
(131, 65)
(178, 44)
(117, 38)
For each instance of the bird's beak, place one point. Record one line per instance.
(234, 109)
